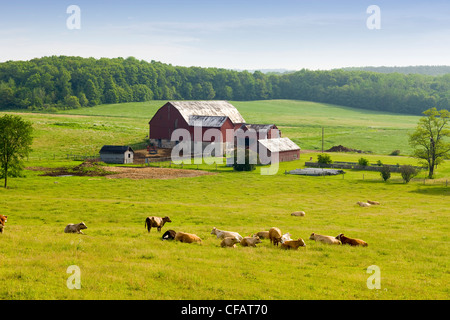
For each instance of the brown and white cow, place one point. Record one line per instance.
(3, 220)
(156, 222)
(293, 244)
(351, 241)
(187, 237)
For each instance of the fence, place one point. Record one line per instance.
(355, 166)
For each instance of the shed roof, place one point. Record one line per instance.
(207, 121)
(279, 144)
(258, 127)
(115, 149)
(207, 108)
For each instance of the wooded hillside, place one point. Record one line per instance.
(62, 82)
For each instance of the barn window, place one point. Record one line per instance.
(129, 155)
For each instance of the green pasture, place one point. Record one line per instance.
(408, 234)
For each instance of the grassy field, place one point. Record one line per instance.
(408, 234)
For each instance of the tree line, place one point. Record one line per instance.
(63, 82)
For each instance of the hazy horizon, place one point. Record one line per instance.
(246, 35)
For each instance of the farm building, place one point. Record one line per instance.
(221, 115)
(116, 154)
(285, 148)
(189, 115)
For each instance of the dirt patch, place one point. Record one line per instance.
(98, 169)
(153, 173)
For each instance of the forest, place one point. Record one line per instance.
(64, 82)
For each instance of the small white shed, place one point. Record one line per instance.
(116, 154)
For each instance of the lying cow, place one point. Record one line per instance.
(293, 244)
(225, 234)
(75, 228)
(274, 235)
(169, 235)
(262, 234)
(3, 220)
(250, 241)
(363, 204)
(187, 237)
(229, 242)
(156, 222)
(298, 213)
(373, 202)
(353, 242)
(324, 239)
(285, 237)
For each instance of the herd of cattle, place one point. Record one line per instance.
(229, 238)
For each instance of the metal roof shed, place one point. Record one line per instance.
(116, 154)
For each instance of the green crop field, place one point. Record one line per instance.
(408, 233)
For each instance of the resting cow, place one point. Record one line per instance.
(324, 239)
(156, 222)
(363, 204)
(298, 213)
(250, 241)
(353, 242)
(229, 242)
(187, 237)
(373, 202)
(75, 228)
(262, 234)
(169, 235)
(293, 244)
(3, 220)
(225, 234)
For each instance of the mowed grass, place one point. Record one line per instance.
(407, 234)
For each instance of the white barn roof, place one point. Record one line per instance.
(279, 145)
(207, 108)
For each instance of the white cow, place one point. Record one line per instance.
(324, 239)
(225, 234)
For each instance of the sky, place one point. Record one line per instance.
(244, 34)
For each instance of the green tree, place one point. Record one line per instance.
(429, 139)
(15, 144)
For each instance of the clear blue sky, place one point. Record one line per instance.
(245, 34)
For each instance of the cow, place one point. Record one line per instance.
(285, 237)
(169, 235)
(363, 204)
(224, 234)
(324, 239)
(353, 242)
(3, 220)
(250, 241)
(298, 213)
(75, 228)
(262, 234)
(229, 242)
(293, 244)
(274, 235)
(187, 237)
(156, 222)
(373, 202)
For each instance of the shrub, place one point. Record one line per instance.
(324, 159)
(395, 153)
(385, 173)
(379, 163)
(248, 165)
(363, 162)
(408, 172)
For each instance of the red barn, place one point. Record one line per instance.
(187, 115)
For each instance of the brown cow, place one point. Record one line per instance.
(229, 242)
(351, 241)
(250, 241)
(293, 244)
(262, 234)
(187, 237)
(275, 235)
(3, 220)
(156, 222)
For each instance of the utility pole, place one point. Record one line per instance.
(322, 139)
